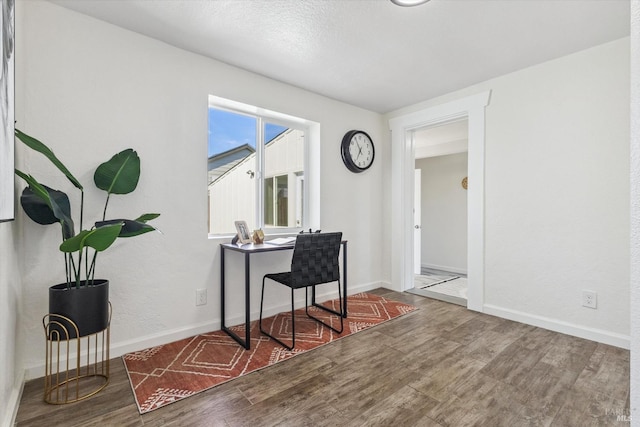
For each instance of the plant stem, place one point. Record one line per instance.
(66, 269)
(92, 270)
(66, 264)
(86, 264)
(75, 271)
(81, 207)
(106, 203)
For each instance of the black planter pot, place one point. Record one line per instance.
(87, 307)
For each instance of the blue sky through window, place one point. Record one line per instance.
(228, 130)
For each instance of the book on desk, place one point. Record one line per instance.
(282, 241)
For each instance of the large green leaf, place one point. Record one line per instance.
(36, 208)
(147, 217)
(98, 239)
(130, 228)
(38, 146)
(45, 205)
(120, 174)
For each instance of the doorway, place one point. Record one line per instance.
(402, 186)
(440, 211)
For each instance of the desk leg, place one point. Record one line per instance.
(247, 340)
(247, 301)
(344, 280)
(222, 287)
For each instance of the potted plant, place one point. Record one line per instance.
(82, 298)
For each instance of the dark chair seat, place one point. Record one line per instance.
(284, 278)
(314, 262)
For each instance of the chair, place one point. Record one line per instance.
(314, 262)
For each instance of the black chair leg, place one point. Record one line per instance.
(314, 304)
(293, 322)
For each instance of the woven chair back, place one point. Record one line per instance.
(315, 259)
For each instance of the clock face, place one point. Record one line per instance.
(357, 151)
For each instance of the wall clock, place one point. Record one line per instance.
(357, 151)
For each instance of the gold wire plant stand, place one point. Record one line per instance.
(76, 368)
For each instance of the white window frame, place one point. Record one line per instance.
(311, 208)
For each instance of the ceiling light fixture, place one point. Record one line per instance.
(407, 3)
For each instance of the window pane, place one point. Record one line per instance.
(231, 169)
(256, 168)
(299, 199)
(283, 162)
(268, 202)
(282, 201)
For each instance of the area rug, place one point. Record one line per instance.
(168, 373)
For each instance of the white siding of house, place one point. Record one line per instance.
(284, 156)
(237, 187)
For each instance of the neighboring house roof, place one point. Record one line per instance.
(221, 163)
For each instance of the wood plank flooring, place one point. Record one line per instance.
(441, 365)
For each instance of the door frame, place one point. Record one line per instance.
(402, 190)
(417, 220)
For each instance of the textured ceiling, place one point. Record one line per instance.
(372, 53)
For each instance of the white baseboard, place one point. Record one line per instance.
(13, 403)
(121, 348)
(445, 268)
(593, 334)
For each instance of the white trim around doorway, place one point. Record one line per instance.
(402, 191)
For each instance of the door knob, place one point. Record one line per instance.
(417, 227)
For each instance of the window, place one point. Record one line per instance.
(257, 164)
(276, 201)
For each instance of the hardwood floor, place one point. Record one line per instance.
(441, 365)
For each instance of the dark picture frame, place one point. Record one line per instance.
(7, 112)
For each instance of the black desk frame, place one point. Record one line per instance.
(247, 250)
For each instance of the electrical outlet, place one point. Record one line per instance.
(201, 296)
(589, 299)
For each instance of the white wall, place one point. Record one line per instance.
(635, 213)
(444, 212)
(11, 296)
(556, 192)
(10, 302)
(91, 89)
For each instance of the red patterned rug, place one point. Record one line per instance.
(167, 373)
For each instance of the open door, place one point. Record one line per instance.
(403, 161)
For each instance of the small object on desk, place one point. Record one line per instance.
(282, 241)
(258, 237)
(243, 232)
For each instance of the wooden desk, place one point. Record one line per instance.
(247, 250)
